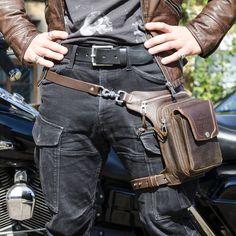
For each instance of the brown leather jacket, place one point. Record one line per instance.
(209, 27)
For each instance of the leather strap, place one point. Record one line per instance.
(109, 55)
(73, 83)
(149, 182)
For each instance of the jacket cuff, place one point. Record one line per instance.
(207, 32)
(21, 41)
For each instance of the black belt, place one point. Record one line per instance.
(110, 55)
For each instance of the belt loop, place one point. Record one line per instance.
(128, 59)
(123, 56)
(72, 56)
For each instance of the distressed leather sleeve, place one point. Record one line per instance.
(16, 26)
(210, 26)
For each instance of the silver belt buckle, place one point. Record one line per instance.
(93, 54)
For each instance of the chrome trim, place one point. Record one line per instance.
(40, 230)
(18, 101)
(20, 198)
(6, 145)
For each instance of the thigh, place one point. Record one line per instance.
(69, 165)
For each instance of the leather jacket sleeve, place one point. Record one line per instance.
(210, 26)
(17, 29)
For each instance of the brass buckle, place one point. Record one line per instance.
(94, 52)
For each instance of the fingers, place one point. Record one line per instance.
(56, 35)
(179, 55)
(170, 37)
(164, 47)
(50, 54)
(159, 26)
(159, 39)
(43, 50)
(42, 61)
(55, 47)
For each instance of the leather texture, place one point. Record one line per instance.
(73, 84)
(208, 27)
(186, 129)
(102, 55)
(149, 182)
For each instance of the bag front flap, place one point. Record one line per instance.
(201, 117)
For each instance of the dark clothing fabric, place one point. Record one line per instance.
(74, 132)
(101, 22)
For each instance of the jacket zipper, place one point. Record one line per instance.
(174, 6)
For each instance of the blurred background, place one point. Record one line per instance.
(212, 78)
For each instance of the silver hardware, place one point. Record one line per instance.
(163, 127)
(118, 98)
(5, 145)
(20, 198)
(20, 176)
(17, 98)
(106, 93)
(207, 134)
(144, 108)
(109, 93)
(94, 53)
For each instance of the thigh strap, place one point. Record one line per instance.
(149, 182)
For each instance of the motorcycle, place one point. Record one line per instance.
(23, 210)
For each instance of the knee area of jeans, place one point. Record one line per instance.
(155, 217)
(76, 222)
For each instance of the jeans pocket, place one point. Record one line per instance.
(150, 72)
(60, 66)
(47, 137)
(150, 142)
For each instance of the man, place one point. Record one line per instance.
(9, 68)
(75, 129)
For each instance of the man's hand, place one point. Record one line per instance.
(43, 48)
(173, 37)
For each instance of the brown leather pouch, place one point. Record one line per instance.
(186, 129)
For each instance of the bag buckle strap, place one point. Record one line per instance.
(149, 182)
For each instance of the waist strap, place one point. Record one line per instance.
(73, 83)
(109, 55)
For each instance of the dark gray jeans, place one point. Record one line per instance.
(74, 132)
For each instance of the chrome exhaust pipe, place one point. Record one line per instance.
(20, 198)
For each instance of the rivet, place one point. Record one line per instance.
(92, 88)
(207, 134)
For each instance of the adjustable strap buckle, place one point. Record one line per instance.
(94, 54)
(149, 182)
